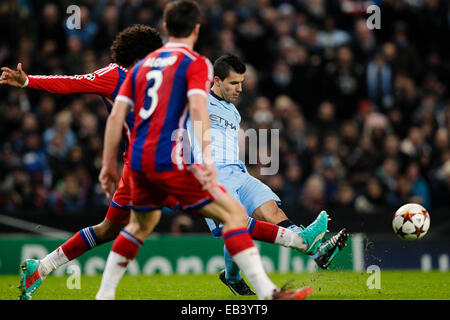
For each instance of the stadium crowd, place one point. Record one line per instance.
(363, 114)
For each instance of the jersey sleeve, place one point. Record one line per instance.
(199, 76)
(103, 82)
(126, 92)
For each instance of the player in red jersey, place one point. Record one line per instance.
(163, 89)
(131, 45)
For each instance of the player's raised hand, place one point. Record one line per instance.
(109, 178)
(14, 78)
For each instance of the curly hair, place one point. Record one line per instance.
(134, 43)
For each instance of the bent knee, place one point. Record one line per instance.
(238, 213)
(107, 230)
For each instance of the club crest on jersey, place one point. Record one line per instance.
(89, 76)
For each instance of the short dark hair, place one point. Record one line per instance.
(181, 17)
(134, 43)
(224, 64)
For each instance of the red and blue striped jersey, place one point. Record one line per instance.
(104, 82)
(158, 88)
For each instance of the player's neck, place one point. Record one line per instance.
(216, 92)
(186, 41)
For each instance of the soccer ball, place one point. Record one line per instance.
(411, 221)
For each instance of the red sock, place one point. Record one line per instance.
(263, 231)
(126, 245)
(237, 240)
(74, 247)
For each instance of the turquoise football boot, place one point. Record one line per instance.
(330, 248)
(31, 279)
(313, 234)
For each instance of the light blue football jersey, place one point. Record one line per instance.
(225, 124)
(231, 172)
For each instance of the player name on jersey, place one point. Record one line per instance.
(160, 62)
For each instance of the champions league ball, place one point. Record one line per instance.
(411, 222)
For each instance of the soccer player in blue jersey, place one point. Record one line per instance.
(169, 85)
(260, 201)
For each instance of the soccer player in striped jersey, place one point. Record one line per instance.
(163, 89)
(128, 47)
(131, 45)
(260, 201)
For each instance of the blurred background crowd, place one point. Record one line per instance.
(364, 114)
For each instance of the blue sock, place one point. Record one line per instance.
(232, 271)
(288, 224)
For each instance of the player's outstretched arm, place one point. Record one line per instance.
(102, 81)
(109, 177)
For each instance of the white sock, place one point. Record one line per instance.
(53, 260)
(290, 239)
(116, 265)
(249, 261)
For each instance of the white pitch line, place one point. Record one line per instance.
(33, 227)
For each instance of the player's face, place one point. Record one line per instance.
(231, 86)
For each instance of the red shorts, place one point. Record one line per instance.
(119, 208)
(153, 190)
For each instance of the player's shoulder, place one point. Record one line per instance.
(109, 68)
(203, 64)
(182, 49)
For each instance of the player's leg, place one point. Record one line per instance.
(253, 194)
(262, 231)
(147, 200)
(117, 216)
(306, 240)
(263, 203)
(231, 275)
(84, 240)
(186, 186)
(125, 248)
(35, 271)
(239, 243)
(238, 183)
(268, 209)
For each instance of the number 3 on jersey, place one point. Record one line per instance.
(152, 93)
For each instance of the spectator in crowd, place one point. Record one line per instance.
(379, 82)
(330, 36)
(344, 83)
(419, 187)
(292, 186)
(313, 197)
(372, 199)
(68, 195)
(402, 193)
(388, 172)
(344, 197)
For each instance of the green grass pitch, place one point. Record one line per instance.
(328, 285)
